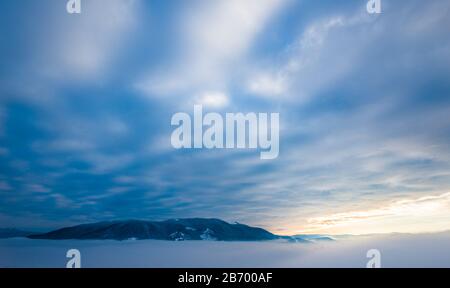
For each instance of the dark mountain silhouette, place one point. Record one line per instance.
(175, 230)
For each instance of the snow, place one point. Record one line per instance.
(178, 236)
(426, 250)
(208, 235)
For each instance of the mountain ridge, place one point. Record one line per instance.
(172, 229)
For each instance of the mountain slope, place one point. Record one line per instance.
(175, 230)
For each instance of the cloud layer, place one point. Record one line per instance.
(85, 112)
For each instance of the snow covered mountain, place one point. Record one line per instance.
(174, 230)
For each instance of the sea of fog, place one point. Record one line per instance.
(400, 250)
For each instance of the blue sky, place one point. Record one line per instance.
(86, 102)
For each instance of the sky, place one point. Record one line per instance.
(86, 102)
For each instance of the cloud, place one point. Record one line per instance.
(103, 163)
(61, 49)
(37, 188)
(213, 100)
(62, 201)
(87, 139)
(313, 62)
(64, 145)
(397, 251)
(362, 100)
(84, 46)
(267, 85)
(214, 37)
(2, 120)
(4, 151)
(4, 186)
(422, 209)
